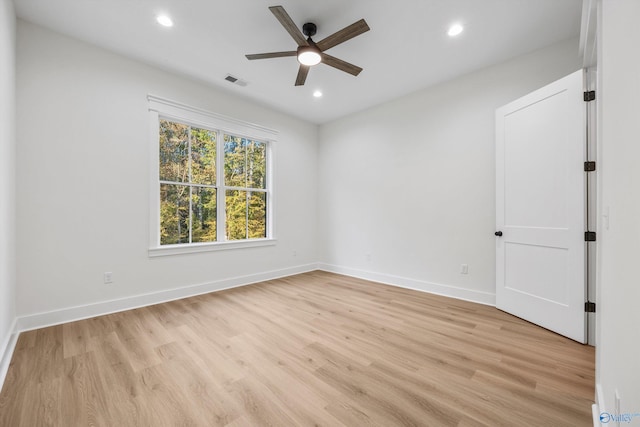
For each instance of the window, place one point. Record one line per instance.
(211, 181)
(187, 157)
(245, 197)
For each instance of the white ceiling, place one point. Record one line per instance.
(407, 48)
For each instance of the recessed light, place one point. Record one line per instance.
(317, 94)
(164, 20)
(455, 29)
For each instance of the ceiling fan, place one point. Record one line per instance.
(310, 53)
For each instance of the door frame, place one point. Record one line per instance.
(591, 208)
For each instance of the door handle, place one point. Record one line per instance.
(498, 233)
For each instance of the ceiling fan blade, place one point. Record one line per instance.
(289, 25)
(340, 64)
(302, 75)
(271, 55)
(343, 35)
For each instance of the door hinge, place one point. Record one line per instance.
(589, 95)
(589, 236)
(589, 166)
(590, 307)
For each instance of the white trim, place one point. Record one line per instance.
(177, 110)
(221, 201)
(154, 183)
(595, 415)
(70, 314)
(56, 317)
(485, 298)
(6, 351)
(191, 248)
(600, 398)
(271, 190)
(588, 29)
(599, 406)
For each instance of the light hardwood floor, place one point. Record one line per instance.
(316, 349)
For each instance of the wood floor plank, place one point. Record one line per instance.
(316, 349)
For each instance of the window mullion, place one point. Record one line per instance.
(190, 188)
(186, 184)
(246, 184)
(190, 214)
(246, 215)
(221, 192)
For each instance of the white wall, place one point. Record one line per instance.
(407, 189)
(82, 173)
(618, 316)
(7, 176)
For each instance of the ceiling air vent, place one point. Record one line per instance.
(235, 80)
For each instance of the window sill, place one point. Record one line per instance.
(169, 250)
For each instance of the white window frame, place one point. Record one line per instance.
(161, 108)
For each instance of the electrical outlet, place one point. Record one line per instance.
(367, 256)
(294, 253)
(464, 269)
(108, 277)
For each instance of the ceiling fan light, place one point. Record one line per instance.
(308, 56)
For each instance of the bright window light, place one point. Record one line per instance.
(455, 29)
(164, 20)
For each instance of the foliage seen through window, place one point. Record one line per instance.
(192, 189)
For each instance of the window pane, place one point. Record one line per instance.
(203, 214)
(236, 214)
(256, 164)
(257, 215)
(234, 161)
(174, 146)
(203, 156)
(188, 204)
(174, 214)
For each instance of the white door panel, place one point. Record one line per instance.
(543, 279)
(540, 207)
(533, 152)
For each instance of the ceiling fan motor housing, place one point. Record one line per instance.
(309, 29)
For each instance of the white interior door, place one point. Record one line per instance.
(540, 207)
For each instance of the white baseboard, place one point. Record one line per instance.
(595, 415)
(598, 407)
(70, 314)
(486, 298)
(56, 317)
(600, 398)
(6, 351)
